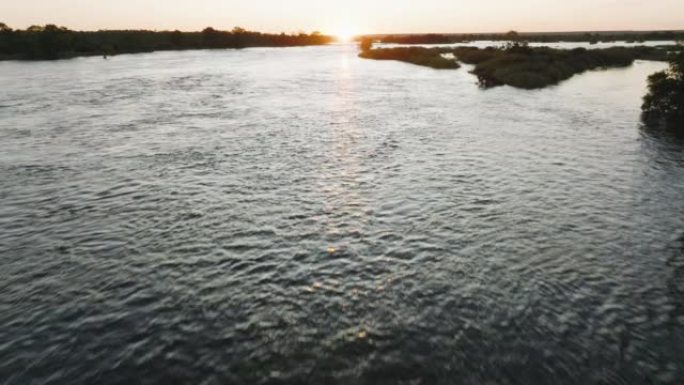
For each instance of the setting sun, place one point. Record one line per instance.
(345, 34)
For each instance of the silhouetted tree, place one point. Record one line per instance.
(664, 102)
(239, 37)
(7, 40)
(53, 41)
(52, 28)
(513, 36)
(176, 38)
(210, 37)
(516, 43)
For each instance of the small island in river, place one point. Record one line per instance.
(517, 64)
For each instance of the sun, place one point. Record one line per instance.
(345, 34)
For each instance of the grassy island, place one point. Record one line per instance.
(428, 57)
(519, 65)
(52, 42)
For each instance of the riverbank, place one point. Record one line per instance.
(51, 42)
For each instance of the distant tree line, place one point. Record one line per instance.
(53, 42)
(595, 37)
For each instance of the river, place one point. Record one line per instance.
(300, 215)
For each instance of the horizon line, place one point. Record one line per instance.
(366, 34)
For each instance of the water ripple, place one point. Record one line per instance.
(302, 216)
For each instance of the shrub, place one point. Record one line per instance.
(664, 103)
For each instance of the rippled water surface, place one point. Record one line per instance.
(302, 216)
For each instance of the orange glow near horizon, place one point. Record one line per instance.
(345, 33)
(346, 18)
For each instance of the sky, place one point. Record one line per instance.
(350, 16)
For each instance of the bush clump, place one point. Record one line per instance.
(532, 68)
(664, 103)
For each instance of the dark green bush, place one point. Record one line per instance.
(664, 103)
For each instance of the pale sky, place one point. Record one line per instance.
(350, 16)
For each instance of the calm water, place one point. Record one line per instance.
(301, 216)
(558, 44)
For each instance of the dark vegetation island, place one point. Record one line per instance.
(516, 63)
(437, 58)
(52, 42)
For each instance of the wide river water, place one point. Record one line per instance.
(303, 216)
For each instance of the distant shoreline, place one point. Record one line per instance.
(51, 42)
(538, 33)
(537, 37)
